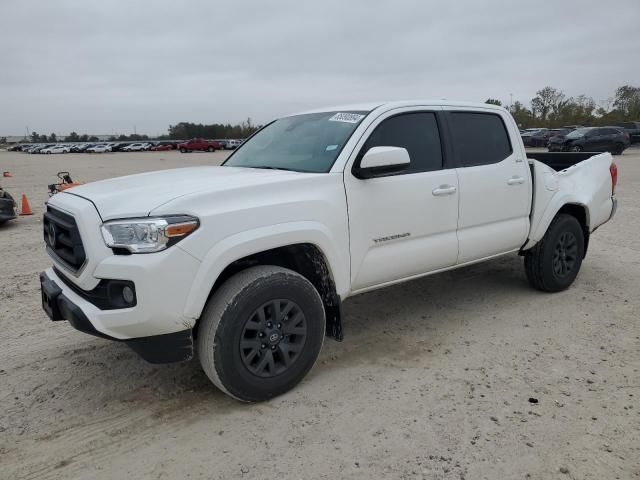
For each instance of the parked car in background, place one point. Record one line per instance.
(118, 147)
(7, 207)
(100, 148)
(632, 128)
(555, 140)
(199, 144)
(232, 144)
(135, 147)
(39, 148)
(56, 149)
(79, 147)
(592, 139)
(161, 147)
(536, 138)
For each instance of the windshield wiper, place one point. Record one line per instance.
(269, 167)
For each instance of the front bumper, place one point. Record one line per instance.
(56, 302)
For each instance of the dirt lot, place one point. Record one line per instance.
(435, 377)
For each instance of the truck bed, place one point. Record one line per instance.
(560, 160)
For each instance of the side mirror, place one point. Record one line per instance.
(379, 161)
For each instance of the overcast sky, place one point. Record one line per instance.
(102, 67)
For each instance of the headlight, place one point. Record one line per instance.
(146, 235)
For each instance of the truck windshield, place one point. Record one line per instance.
(302, 143)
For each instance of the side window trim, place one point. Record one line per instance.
(455, 160)
(444, 147)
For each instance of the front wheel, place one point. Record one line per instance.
(183, 150)
(261, 333)
(210, 149)
(576, 148)
(554, 262)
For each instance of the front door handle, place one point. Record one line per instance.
(444, 190)
(515, 181)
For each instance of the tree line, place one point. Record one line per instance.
(180, 131)
(184, 130)
(551, 107)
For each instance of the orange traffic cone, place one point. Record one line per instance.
(7, 174)
(26, 208)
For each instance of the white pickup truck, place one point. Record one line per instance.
(248, 263)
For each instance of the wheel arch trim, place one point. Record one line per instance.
(251, 242)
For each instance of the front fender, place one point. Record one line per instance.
(257, 240)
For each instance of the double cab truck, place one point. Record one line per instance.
(247, 264)
(199, 144)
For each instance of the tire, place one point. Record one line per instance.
(576, 148)
(554, 262)
(618, 148)
(232, 318)
(183, 150)
(211, 149)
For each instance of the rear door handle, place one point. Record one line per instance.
(515, 181)
(444, 190)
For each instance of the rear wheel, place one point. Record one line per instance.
(210, 149)
(576, 148)
(261, 333)
(183, 150)
(554, 262)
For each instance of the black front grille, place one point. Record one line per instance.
(63, 240)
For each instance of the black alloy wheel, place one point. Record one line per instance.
(273, 337)
(565, 254)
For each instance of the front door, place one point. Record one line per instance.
(403, 225)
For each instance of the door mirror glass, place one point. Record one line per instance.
(382, 161)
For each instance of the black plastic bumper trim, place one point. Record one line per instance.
(107, 295)
(168, 348)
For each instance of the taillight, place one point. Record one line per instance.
(613, 169)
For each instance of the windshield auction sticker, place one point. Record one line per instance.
(346, 117)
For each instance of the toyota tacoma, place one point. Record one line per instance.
(247, 264)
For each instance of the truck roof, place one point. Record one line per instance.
(369, 106)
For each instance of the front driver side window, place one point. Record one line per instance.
(417, 132)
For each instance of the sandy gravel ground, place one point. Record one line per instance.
(434, 379)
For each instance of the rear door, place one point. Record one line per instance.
(595, 140)
(494, 181)
(403, 225)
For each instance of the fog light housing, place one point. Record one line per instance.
(128, 295)
(121, 294)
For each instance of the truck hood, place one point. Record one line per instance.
(137, 195)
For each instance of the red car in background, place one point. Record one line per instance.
(199, 144)
(162, 147)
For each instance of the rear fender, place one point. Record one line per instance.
(586, 184)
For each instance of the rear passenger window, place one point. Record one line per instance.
(417, 132)
(479, 138)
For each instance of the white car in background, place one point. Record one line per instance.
(99, 149)
(137, 147)
(233, 144)
(56, 149)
